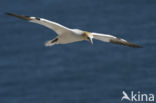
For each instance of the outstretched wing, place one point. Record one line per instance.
(59, 29)
(113, 39)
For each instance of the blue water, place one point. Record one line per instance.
(78, 72)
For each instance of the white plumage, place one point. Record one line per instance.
(67, 35)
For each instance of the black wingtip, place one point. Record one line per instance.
(19, 16)
(10, 14)
(132, 45)
(125, 43)
(136, 46)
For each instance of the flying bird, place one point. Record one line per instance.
(66, 35)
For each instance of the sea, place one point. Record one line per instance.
(78, 72)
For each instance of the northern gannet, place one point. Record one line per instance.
(67, 35)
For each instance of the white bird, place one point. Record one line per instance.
(67, 35)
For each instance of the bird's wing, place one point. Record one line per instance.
(113, 39)
(58, 28)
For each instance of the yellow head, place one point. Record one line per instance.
(88, 36)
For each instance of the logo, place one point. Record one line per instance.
(137, 96)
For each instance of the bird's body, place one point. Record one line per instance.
(67, 35)
(74, 36)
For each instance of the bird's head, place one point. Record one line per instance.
(88, 36)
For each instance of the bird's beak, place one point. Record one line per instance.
(90, 40)
(88, 36)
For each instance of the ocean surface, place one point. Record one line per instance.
(77, 72)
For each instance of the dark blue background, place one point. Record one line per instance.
(78, 72)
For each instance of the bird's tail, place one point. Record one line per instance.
(51, 42)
